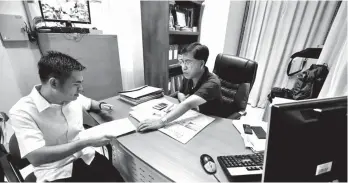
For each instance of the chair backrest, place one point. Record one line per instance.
(15, 153)
(237, 76)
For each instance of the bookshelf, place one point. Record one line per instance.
(183, 33)
(167, 26)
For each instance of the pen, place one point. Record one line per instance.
(156, 114)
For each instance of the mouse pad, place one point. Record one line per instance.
(259, 132)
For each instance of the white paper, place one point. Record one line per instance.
(251, 140)
(182, 129)
(113, 128)
(279, 100)
(144, 91)
(187, 126)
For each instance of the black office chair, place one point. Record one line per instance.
(11, 162)
(17, 161)
(237, 76)
(7, 168)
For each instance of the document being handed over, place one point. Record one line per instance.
(113, 128)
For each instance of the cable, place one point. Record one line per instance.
(216, 178)
(39, 46)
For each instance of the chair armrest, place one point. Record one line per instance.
(237, 115)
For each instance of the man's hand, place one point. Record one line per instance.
(106, 107)
(181, 97)
(152, 124)
(99, 140)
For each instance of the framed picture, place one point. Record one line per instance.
(180, 18)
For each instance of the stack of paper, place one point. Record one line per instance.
(251, 141)
(142, 94)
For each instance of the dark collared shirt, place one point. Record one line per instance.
(209, 88)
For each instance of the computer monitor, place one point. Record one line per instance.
(307, 142)
(66, 11)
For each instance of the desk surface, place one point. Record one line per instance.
(179, 162)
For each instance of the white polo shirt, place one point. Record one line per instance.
(38, 123)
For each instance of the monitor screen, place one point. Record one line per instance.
(307, 141)
(75, 11)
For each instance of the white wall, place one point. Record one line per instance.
(213, 28)
(18, 60)
(18, 71)
(124, 19)
(234, 26)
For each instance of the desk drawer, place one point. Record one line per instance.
(132, 168)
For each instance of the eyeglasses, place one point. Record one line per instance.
(185, 62)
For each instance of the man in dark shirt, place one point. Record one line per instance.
(201, 89)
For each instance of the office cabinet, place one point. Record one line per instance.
(132, 168)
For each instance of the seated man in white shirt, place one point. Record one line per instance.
(47, 123)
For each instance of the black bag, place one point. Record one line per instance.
(308, 83)
(279, 92)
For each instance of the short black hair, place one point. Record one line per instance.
(58, 65)
(199, 51)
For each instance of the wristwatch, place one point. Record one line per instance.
(164, 121)
(101, 104)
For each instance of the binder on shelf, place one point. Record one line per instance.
(192, 16)
(170, 52)
(175, 52)
(142, 94)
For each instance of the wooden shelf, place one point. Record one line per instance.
(183, 33)
(197, 2)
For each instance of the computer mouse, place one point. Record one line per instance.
(208, 164)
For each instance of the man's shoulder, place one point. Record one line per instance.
(213, 79)
(23, 105)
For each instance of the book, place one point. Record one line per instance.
(141, 94)
(142, 99)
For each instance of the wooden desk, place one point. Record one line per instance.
(154, 156)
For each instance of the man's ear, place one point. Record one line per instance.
(202, 64)
(53, 82)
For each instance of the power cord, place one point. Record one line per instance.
(32, 35)
(216, 178)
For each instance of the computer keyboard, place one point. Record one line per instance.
(245, 167)
(62, 30)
